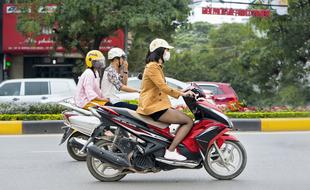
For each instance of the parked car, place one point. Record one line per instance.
(38, 90)
(136, 83)
(222, 93)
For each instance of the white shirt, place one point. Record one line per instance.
(110, 84)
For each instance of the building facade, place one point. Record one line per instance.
(22, 58)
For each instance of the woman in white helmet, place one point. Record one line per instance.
(154, 100)
(115, 79)
(88, 88)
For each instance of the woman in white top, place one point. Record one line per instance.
(113, 81)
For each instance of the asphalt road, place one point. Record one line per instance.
(277, 161)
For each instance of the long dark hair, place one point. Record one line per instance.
(155, 55)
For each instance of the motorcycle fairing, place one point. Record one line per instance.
(205, 137)
(190, 141)
(214, 133)
(220, 139)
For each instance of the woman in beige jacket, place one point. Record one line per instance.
(154, 101)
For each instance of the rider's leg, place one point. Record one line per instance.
(186, 123)
(177, 117)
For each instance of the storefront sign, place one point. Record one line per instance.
(236, 12)
(15, 43)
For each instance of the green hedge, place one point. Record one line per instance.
(261, 114)
(27, 117)
(8, 117)
(267, 114)
(50, 108)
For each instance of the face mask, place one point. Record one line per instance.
(166, 56)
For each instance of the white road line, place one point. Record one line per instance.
(48, 151)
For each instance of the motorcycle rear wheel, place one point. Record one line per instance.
(74, 152)
(235, 160)
(94, 165)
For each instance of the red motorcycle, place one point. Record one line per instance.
(139, 143)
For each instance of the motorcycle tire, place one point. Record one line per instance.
(73, 152)
(95, 171)
(211, 157)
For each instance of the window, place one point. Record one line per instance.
(10, 89)
(36, 88)
(60, 87)
(215, 90)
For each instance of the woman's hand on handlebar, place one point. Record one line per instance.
(188, 94)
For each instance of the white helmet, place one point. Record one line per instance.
(116, 52)
(157, 43)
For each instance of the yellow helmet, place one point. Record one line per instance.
(94, 55)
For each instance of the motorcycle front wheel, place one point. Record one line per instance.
(74, 152)
(101, 170)
(233, 162)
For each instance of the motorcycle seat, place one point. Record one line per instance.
(75, 108)
(133, 114)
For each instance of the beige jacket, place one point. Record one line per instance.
(155, 91)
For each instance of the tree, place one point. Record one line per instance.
(83, 24)
(287, 38)
(208, 53)
(190, 42)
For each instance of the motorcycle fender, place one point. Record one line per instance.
(219, 135)
(68, 132)
(224, 138)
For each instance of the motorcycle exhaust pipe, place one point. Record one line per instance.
(107, 156)
(77, 143)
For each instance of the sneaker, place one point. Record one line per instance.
(174, 155)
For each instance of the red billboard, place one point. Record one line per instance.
(236, 12)
(15, 43)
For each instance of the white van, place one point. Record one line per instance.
(38, 90)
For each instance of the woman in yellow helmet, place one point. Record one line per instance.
(88, 88)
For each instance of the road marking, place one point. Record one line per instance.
(48, 151)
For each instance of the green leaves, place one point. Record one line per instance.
(83, 24)
(264, 60)
(30, 117)
(267, 114)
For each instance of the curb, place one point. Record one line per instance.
(263, 125)
(30, 127)
(42, 127)
(11, 128)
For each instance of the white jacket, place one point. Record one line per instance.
(110, 84)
